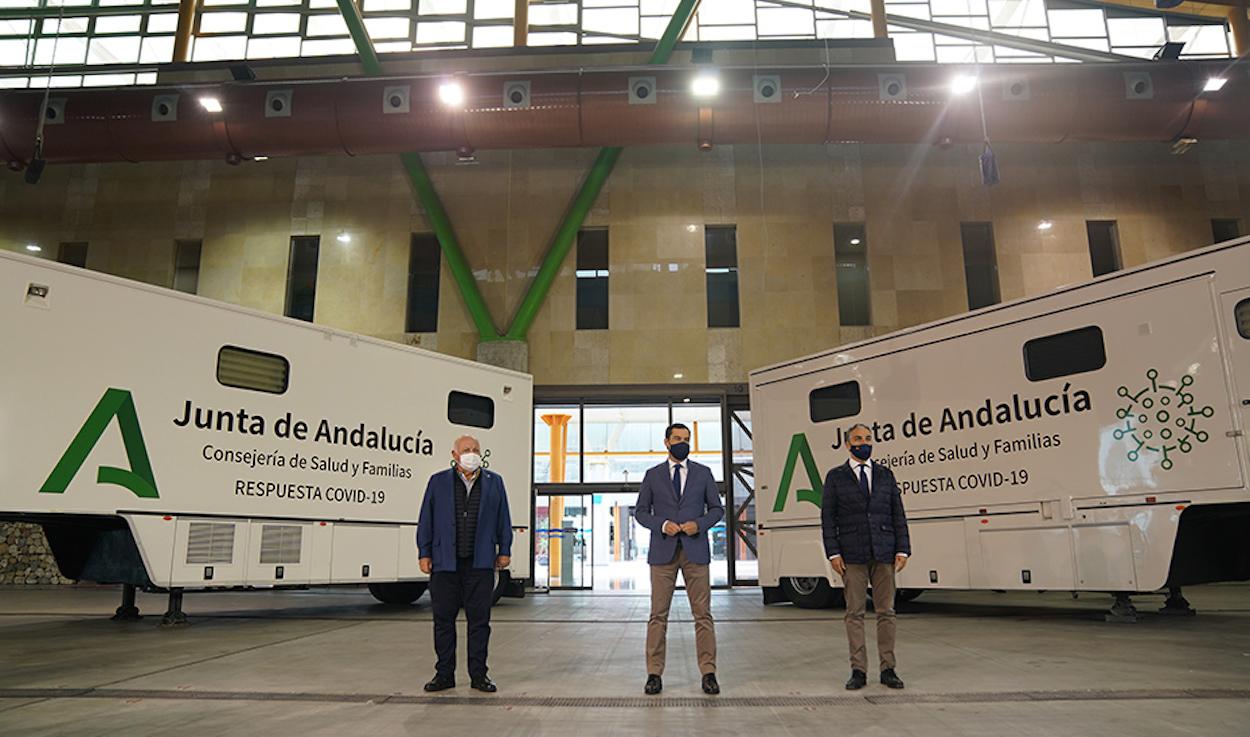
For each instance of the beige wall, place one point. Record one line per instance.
(506, 208)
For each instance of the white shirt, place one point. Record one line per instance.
(855, 464)
(685, 472)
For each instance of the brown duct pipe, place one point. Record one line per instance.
(1028, 104)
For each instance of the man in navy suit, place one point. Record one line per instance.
(464, 534)
(865, 532)
(679, 501)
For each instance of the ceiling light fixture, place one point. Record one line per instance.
(345, 238)
(451, 93)
(963, 84)
(211, 104)
(1214, 84)
(1045, 225)
(33, 248)
(705, 85)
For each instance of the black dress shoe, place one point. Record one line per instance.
(891, 679)
(484, 684)
(440, 683)
(654, 685)
(858, 680)
(710, 686)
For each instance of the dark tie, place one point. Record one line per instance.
(863, 479)
(677, 480)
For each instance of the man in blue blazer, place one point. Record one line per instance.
(866, 539)
(679, 501)
(464, 534)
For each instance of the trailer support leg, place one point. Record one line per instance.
(127, 612)
(1177, 605)
(174, 616)
(1122, 611)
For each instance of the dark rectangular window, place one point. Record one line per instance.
(424, 260)
(470, 409)
(1225, 229)
(720, 243)
(1064, 354)
(187, 266)
(980, 264)
(834, 402)
(850, 252)
(1104, 246)
(242, 368)
(301, 277)
(592, 279)
(74, 254)
(1241, 316)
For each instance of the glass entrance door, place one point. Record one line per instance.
(564, 541)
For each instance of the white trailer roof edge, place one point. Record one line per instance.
(168, 292)
(953, 319)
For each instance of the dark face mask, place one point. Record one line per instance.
(679, 450)
(862, 452)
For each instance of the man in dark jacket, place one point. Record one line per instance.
(866, 539)
(464, 533)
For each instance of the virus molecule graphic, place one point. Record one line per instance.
(1161, 418)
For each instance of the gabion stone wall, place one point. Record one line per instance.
(25, 557)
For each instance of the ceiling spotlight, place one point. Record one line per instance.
(705, 85)
(691, 228)
(678, 376)
(211, 104)
(1045, 225)
(33, 248)
(260, 158)
(1214, 84)
(451, 93)
(345, 238)
(963, 84)
(854, 241)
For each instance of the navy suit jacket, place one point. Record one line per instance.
(657, 502)
(861, 528)
(436, 527)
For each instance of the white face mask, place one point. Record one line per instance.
(470, 462)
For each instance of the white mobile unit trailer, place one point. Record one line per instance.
(1089, 439)
(171, 442)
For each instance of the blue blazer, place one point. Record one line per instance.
(657, 502)
(436, 527)
(861, 528)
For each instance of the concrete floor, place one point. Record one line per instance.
(332, 662)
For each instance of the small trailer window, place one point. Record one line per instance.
(834, 402)
(1241, 313)
(471, 409)
(246, 369)
(1064, 354)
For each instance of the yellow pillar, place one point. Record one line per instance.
(559, 425)
(1240, 28)
(521, 24)
(878, 19)
(186, 26)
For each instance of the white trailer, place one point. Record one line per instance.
(1089, 439)
(170, 442)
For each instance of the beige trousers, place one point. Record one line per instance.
(882, 577)
(698, 580)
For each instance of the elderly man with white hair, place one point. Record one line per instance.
(463, 534)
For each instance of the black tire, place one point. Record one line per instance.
(399, 593)
(812, 593)
(906, 595)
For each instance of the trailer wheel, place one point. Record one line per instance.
(402, 592)
(906, 595)
(812, 592)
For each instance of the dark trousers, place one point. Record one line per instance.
(470, 589)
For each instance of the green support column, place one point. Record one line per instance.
(423, 186)
(589, 192)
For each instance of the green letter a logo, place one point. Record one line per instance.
(812, 494)
(139, 480)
